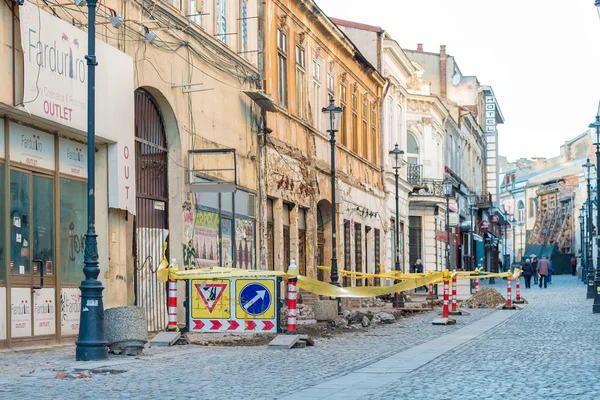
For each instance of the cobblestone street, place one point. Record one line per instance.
(547, 350)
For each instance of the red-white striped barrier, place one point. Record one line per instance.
(454, 292)
(476, 285)
(445, 312)
(509, 293)
(292, 299)
(172, 303)
(431, 292)
(518, 289)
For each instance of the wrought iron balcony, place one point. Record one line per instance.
(484, 200)
(429, 187)
(414, 174)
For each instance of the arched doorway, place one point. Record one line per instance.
(151, 220)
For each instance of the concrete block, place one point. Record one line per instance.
(165, 339)
(284, 341)
(326, 310)
(126, 329)
(444, 321)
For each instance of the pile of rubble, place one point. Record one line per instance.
(358, 319)
(486, 298)
(303, 312)
(372, 302)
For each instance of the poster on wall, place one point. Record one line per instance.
(44, 312)
(30, 146)
(20, 312)
(206, 238)
(3, 315)
(55, 88)
(70, 310)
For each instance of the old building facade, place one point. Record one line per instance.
(170, 98)
(309, 60)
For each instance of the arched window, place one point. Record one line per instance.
(412, 149)
(521, 211)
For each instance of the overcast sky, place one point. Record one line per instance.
(542, 58)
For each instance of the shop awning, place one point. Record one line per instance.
(541, 250)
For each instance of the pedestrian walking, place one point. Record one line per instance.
(550, 270)
(543, 268)
(534, 263)
(573, 265)
(528, 272)
(418, 269)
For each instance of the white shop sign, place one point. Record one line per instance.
(44, 312)
(72, 158)
(70, 311)
(32, 147)
(20, 308)
(55, 88)
(2, 314)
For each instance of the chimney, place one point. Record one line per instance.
(443, 77)
(420, 47)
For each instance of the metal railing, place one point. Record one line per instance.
(484, 200)
(429, 187)
(414, 174)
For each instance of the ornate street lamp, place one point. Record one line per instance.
(596, 125)
(91, 342)
(334, 112)
(472, 205)
(448, 186)
(397, 159)
(522, 226)
(588, 244)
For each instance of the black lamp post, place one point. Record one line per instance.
(91, 343)
(396, 155)
(596, 125)
(514, 231)
(581, 239)
(448, 191)
(334, 120)
(590, 263)
(504, 239)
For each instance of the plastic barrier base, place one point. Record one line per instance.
(505, 307)
(444, 321)
(522, 301)
(457, 312)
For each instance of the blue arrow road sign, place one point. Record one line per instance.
(255, 299)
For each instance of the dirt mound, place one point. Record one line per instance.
(486, 298)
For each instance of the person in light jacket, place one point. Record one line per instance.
(543, 268)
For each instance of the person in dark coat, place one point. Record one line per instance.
(574, 265)
(528, 272)
(418, 269)
(543, 269)
(534, 263)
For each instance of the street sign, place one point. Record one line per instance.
(210, 299)
(254, 298)
(255, 301)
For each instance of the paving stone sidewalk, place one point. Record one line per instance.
(221, 372)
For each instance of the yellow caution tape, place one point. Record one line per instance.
(220, 273)
(329, 290)
(163, 271)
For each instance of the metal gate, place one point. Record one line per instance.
(151, 221)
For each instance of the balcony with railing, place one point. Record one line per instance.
(429, 188)
(484, 200)
(414, 174)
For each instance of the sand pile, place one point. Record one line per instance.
(486, 298)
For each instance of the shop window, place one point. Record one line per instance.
(20, 193)
(377, 281)
(43, 223)
(392, 253)
(358, 255)
(226, 238)
(72, 229)
(2, 226)
(415, 239)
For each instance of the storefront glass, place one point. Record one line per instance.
(43, 223)
(19, 225)
(2, 226)
(73, 215)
